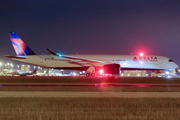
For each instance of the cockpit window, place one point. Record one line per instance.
(170, 60)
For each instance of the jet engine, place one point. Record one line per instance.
(111, 69)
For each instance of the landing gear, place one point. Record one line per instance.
(166, 76)
(87, 74)
(90, 74)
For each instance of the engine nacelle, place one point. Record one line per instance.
(111, 69)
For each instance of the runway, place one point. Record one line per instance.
(92, 84)
(93, 94)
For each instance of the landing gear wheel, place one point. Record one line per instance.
(166, 76)
(87, 74)
(92, 74)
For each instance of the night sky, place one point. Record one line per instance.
(93, 26)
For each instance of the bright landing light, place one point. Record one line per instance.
(167, 72)
(101, 71)
(141, 54)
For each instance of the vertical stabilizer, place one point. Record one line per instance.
(20, 47)
(34, 72)
(177, 72)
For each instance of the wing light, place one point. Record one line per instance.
(60, 55)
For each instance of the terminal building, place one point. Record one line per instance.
(25, 68)
(134, 73)
(8, 69)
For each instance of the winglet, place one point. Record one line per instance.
(52, 52)
(177, 72)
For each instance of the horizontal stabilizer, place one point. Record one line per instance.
(9, 56)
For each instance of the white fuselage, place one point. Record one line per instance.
(125, 61)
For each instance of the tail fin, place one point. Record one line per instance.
(177, 72)
(47, 71)
(19, 46)
(34, 72)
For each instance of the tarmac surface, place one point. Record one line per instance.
(92, 84)
(92, 94)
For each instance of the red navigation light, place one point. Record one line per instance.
(141, 54)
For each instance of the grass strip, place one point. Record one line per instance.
(89, 108)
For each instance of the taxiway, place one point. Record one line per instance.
(92, 94)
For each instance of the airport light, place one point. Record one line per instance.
(39, 68)
(0, 65)
(74, 74)
(8, 65)
(11, 66)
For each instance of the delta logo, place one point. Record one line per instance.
(152, 58)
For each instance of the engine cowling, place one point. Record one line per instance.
(111, 69)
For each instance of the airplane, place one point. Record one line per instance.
(92, 64)
(18, 73)
(26, 73)
(43, 74)
(167, 74)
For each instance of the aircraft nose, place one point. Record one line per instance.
(175, 65)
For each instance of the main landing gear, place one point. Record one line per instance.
(90, 74)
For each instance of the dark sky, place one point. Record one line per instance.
(93, 26)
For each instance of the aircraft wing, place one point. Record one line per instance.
(82, 59)
(90, 61)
